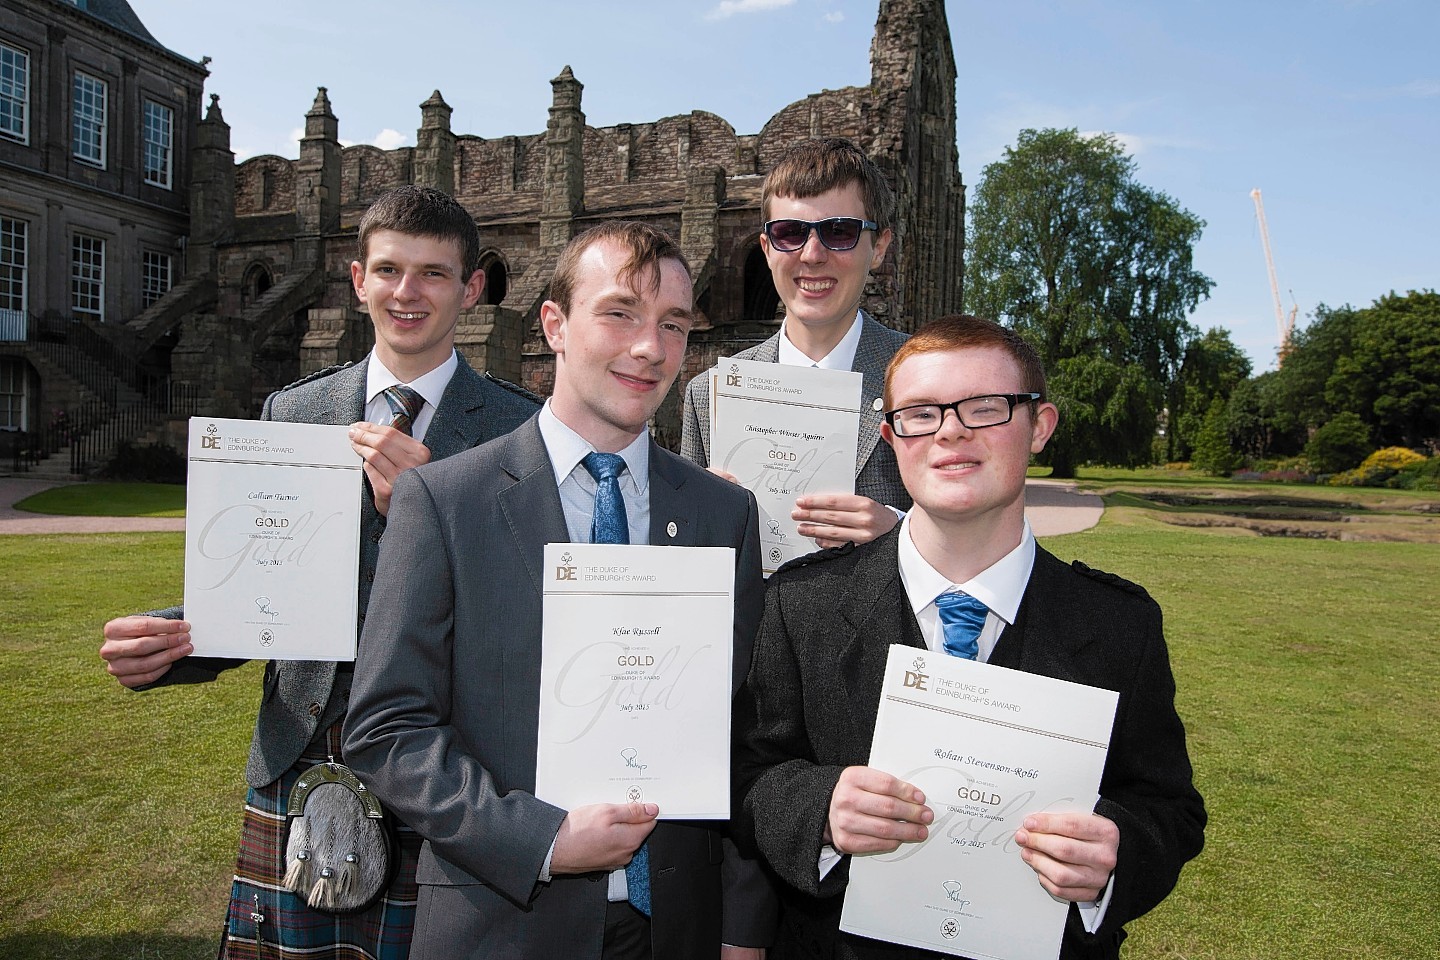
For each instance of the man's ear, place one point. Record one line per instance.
(887, 434)
(473, 288)
(1042, 425)
(552, 324)
(882, 245)
(357, 278)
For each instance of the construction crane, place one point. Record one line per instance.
(1286, 326)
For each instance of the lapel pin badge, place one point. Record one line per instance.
(671, 529)
(878, 404)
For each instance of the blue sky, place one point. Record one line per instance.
(1330, 107)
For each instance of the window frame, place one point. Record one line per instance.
(167, 147)
(22, 100)
(82, 113)
(9, 268)
(97, 264)
(151, 292)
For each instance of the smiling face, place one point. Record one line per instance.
(618, 348)
(414, 291)
(961, 475)
(821, 288)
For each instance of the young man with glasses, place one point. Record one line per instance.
(827, 211)
(965, 410)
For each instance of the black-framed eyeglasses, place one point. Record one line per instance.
(923, 419)
(836, 233)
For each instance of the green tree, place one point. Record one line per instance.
(1300, 395)
(1391, 374)
(1214, 452)
(1340, 444)
(1212, 368)
(1096, 271)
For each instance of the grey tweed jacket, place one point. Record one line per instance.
(301, 698)
(877, 476)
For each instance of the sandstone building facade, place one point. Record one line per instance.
(266, 296)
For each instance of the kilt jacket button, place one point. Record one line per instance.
(314, 709)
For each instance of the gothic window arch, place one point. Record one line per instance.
(497, 278)
(761, 303)
(257, 280)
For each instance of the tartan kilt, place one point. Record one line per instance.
(288, 927)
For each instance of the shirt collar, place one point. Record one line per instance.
(430, 385)
(840, 358)
(999, 586)
(567, 448)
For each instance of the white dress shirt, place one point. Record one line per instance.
(842, 357)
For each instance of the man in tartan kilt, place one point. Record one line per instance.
(418, 268)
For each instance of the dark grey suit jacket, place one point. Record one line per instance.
(299, 697)
(807, 711)
(877, 476)
(444, 714)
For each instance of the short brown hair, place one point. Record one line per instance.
(647, 246)
(813, 167)
(423, 212)
(960, 331)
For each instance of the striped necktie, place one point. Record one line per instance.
(405, 405)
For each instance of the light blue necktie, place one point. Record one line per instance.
(405, 404)
(610, 525)
(962, 617)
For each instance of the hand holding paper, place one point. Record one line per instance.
(874, 812)
(1073, 853)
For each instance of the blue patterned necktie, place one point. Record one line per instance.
(962, 617)
(405, 405)
(610, 525)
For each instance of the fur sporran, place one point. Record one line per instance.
(340, 854)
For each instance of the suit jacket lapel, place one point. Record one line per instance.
(769, 351)
(871, 359)
(457, 424)
(667, 505)
(345, 396)
(531, 505)
(875, 614)
(1041, 641)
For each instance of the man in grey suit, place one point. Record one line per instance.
(966, 409)
(418, 267)
(827, 211)
(444, 719)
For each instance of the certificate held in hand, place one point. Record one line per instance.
(272, 540)
(635, 677)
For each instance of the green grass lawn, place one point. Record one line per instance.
(109, 500)
(1307, 675)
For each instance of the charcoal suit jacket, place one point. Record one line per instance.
(808, 708)
(444, 715)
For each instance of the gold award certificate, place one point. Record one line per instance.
(272, 540)
(635, 677)
(784, 431)
(987, 746)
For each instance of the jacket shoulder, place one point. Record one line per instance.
(513, 388)
(1110, 580)
(317, 375)
(828, 561)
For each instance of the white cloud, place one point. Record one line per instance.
(388, 139)
(834, 17)
(728, 8)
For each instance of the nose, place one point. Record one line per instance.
(951, 425)
(814, 251)
(648, 345)
(408, 287)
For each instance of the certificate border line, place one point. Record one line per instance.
(635, 593)
(999, 723)
(789, 403)
(278, 463)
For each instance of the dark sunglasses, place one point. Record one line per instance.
(836, 233)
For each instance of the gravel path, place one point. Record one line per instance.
(1052, 506)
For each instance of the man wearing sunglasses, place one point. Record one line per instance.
(965, 410)
(827, 211)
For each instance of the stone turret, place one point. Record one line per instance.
(212, 188)
(317, 173)
(435, 146)
(564, 192)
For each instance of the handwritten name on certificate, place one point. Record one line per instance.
(635, 677)
(987, 746)
(784, 431)
(272, 540)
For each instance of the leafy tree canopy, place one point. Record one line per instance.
(1096, 271)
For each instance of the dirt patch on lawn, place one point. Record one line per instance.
(1310, 518)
